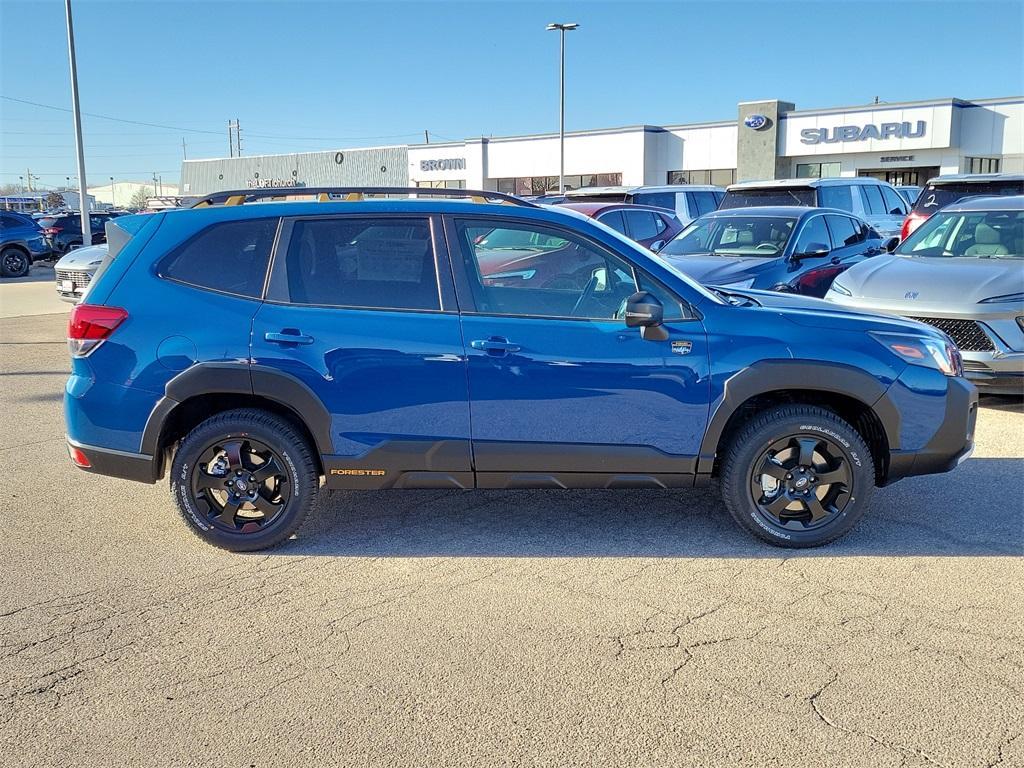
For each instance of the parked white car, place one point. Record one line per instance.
(75, 271)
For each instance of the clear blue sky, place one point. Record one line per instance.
(303, 75)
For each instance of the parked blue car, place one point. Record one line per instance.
(21, 243)
(785, 248)
(253, 352)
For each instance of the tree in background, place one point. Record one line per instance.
(54, 200)
(138, 200)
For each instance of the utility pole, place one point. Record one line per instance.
(184, 154)
(426, 135)
(83, 200)
(231, 141)
(238, 136)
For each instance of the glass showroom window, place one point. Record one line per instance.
(444, 184)
(982, 164)
(720, 177)
(818, 170)
(539, 185)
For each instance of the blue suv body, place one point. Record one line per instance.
(257, 350)
(21, 244)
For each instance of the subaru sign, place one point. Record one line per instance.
(842, 133)
(756, 122)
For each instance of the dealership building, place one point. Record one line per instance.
(903, 143)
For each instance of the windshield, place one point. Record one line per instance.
(978, 234)
(937, 196)
(763, 236)
(755, 198)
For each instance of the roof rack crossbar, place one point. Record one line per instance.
(341, 194)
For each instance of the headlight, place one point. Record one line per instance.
(742, 284)
(841, 289)
(1008, 298)
(922, 350)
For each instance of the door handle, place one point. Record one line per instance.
(288, 336)
(495, 345)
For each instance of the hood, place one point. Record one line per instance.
(818, 313)
(721, 270)
(83, 258)
(933, 280)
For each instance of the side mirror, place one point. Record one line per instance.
(890, 244)
(657, 245)
(814, 251)
(644, 311)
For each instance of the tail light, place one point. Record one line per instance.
(53, 230)
(91, 325)
(78, 458)
(912, 222)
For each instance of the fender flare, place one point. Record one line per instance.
(773, 375)
(243, 379)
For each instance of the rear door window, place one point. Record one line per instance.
(366, 263)
(893, 202)
(839, 196)
(873, 202)
(844, 231)
(643, 225)
(230, 257)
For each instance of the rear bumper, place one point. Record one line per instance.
(128, 466)
(951, 444)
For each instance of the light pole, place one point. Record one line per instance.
(113, 199)
(562, 29)
(83, 199)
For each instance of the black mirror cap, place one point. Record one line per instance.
(890, 244)
(814, 251)
(643, 310)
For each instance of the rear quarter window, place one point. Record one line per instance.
(840, 197)
(230, 257)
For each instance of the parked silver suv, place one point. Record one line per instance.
(961, 271)
(688, 200)
(877, 202)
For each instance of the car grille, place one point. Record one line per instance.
(966, 334)
(80, 278)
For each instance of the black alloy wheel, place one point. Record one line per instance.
(801, 482)
(241, 485)
(14, 262)
(797, 476)
(245, 479)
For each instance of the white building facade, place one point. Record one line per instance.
(904, 143)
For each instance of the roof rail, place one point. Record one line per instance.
(342, 194)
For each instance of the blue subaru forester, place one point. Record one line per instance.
(266, 342)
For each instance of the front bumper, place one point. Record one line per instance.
(951, 444)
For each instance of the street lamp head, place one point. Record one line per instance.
(568, 27)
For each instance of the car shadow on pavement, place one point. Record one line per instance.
(1008, 403)
(977, 511)
(41, 272)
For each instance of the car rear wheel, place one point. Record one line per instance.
(14, 262)
(797, 476)
(244, 480)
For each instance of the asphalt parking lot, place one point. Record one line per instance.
(511, 628)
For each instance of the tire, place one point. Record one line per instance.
(231, 500)
(774, 493)
(14, 262)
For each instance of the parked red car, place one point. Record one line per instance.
(650, 226)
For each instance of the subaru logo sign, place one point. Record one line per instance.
(755, 122)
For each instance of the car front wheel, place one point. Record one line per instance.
(244, 480)
(797, 476)
(14, 262)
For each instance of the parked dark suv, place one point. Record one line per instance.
(21, 243)
(251, 352)
(951, 188)
(64, 231)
